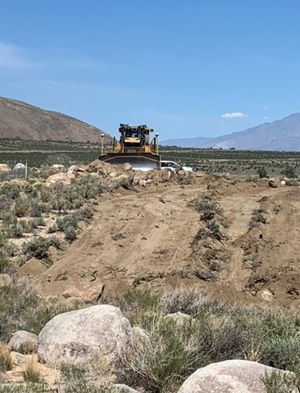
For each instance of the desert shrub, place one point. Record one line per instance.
(68, 225)
(52, 228)
(16, 299)
(14, 230)
(70, 234)
(37, 209)
(39, 246)
(205, 204)
(262, 172)
(85, 213)
(258, 217)
(4, 262)
(10, 190)
(277, 382)
(38, 222)
(283, 352)
(215, 230)
(186, 300)
(5, 204)
(289, 172)
(5, 358)
(22, 207)
(9, 218)
(162, 361)
(75, 379)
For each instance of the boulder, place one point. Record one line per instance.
(266, 295)
(127, 166)
(23, 342)
(230, 376)
(4, 168)
(19, 165)
(101, 167)
(63, 178)
(88, 296)
(274, 182)
(76, 168)
(58, 167)
(91, 336)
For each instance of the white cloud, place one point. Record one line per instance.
(13, 57)
(265, 118)
(233, 115)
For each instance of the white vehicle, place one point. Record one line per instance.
(173, 166)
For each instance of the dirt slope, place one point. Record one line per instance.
(19, 120)
(157, 237)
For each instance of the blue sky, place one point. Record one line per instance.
(186, 68)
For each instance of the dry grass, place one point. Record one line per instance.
(31, 372)
(5, 358)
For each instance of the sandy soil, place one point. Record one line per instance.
(149, 237)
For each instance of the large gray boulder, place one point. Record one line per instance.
(92, 337)
(230, 376)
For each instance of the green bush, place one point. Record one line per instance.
(39, 246)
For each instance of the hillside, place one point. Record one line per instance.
(19, 120)
(282, 135)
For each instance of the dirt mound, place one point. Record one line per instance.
(234, 239)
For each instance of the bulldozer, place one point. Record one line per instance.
(135, 147)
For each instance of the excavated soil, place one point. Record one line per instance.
(157, 237)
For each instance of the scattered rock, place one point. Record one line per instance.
(23, 342)
(274, 182)
(127, 166)
(18, 359)
(179, 318)
(4, 168)
(19, 165)
(120, 388)
(266, 295)
(63, 178)
(5, 280)
(88, 296)
(89, 336)
(58, 167)
(230, 376)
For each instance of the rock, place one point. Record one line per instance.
(100, 167)
(18, 359)
(274, 182)
(5, 280)
(120, 388)
(182, 173)
(19, 165)
(23, 342)
(63, 178)
(76, 168)
(85, 337)
(282, 183)
(266, 295)
(230, 376)
(113, 174)
(4, 168)
(136, 180)
(88, 296)
(58, 167)
(127, 166)
(179, 318)
(143, 183)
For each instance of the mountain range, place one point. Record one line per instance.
(19, 120)
(280, 135)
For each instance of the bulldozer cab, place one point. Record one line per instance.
(135, 147)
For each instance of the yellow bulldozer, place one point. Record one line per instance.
(135, 147)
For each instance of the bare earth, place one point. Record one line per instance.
(148, 237)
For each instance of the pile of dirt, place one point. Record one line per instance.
(241, 245)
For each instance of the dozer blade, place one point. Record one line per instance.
(138, 161)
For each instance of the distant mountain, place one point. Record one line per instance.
(281, 134)
(19, 120)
